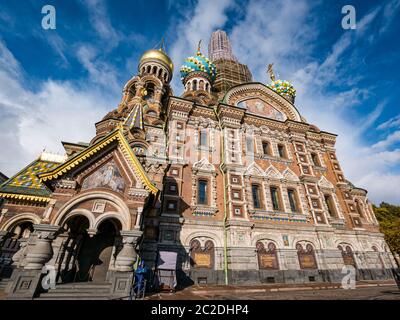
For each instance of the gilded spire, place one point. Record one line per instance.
(199, 47)
(271, 72)
(162, 45)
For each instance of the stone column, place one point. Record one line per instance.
(127, 256)
(42, 251)
(18, 257)
(25, 280)
(49, 210)
(138, 217)
(121, 276)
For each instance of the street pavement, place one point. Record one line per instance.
(363, 291)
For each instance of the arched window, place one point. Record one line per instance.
(282, 151)
(267, 257)
(10, 246)
(276, 198)
(347, 255)
(292, 196)
(201, 85)
(22, 230)
(160, 72)
(207, 87)
(194, 85)
(306, 256)
(148, 69)
(150, 91)
(202, 192)
(315, 160)
(359, 208)
(202, 257)
(330, 205)
(379, 257)
(203, 138)
(256, 195)
(266, 148)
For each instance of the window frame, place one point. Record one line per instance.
(314, 156)
(282, 147)
(278, 200)
(206, 200)
(294, 198)
(203, 135)
(268, 148)
(329, 202)
(260, 203)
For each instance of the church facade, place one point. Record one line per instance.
(229, 175)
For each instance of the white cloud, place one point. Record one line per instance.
(287, 40)
(100, 20)
(389, 13)
(391, 123)
(99, 71)
(198, 25)
(388, 141)
(33, 120)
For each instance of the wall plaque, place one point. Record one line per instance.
(307, 261)
(268, 261)
(202, 259)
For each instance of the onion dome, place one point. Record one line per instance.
(157, 55)
(199, 63)
(284, 88)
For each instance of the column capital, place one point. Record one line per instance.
(131, 236)
(46, 231)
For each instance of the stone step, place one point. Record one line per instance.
(3, 284)
(72, 298)
(75, 294)
(75, 291)
(78, 291)
(84, 285)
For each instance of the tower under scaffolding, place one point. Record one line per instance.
(230, 72)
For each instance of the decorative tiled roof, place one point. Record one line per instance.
(199, 63)
(26, 182)
(116, 135)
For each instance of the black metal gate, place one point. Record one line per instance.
(9, 247)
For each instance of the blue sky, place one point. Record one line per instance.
(54, 84)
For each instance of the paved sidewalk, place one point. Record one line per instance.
(386, 290)
(365, 290)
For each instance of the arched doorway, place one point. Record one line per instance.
(76, 235)
(87, 257)
(17, 233)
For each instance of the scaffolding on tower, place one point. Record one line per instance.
(230, 72)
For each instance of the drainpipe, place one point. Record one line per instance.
(225, 197)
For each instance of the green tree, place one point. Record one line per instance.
(389, 219)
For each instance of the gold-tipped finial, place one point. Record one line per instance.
(199, 46)
(271, 72)
(162, 45)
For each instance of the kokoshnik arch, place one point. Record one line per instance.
(229, 175)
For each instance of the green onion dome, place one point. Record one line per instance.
(283, 87)
(199, 63)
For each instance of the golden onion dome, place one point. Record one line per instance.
(159, 55)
